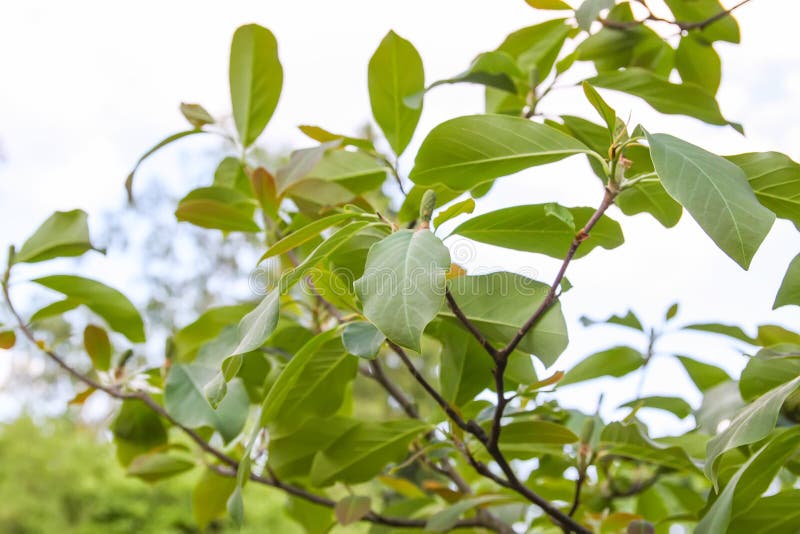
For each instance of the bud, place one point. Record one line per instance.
(426, 208)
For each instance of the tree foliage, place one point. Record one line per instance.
(358, 293)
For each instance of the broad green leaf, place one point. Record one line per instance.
(715, 192)
(364, 451)
(395, 72)
(720, 405)
(63, 234)
(769, 369)
(286, 381)
(106, 302)
(752, 424)
(500, 303)
(445, 520)
(362, 339)
(789, 292)
(589, 10)
(608, 115)
(161, 144)
(351, 509)
(775, 514)
(403, 284)
(231, 173)
(465, 368)
(629, 319)
(258, 325)
(156, 466)
(355, 171)
(98, 346)
(698, 63)
(536, 48)
(705, 376)
(466, 151)
(218, 208)
(650, 197)
(318, 386)
(724, 29)
(310, 516)
(675, 405)
(771, 334)
(775, 179)
(137, 430)
(532, 228)
(185, 400)
(301, 163)
(549, 4)
(324, 136)
(617, 362)
(662, 95)
(209, 497)
(749, 482)
(459, 208)
(525, 439)
(292, 453)
(208, 326)
(256, 80)
(304, 234)
(196, 115)
(631, 441)
(56, 308)
(723, 329)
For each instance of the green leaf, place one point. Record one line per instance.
(770, 334)
(63, 234)
(395, 72)
(161, 144)
(789, 292)
(351, 509)
(258, 325)
(532, 228)
(775, 514)
(445, 520)
(723, 329)
(749, 482)
(671, 312)
(196, 115)
(137, 430)
(675, 405)
(256, 80)
(500, 303)
(324, 136)
(98, 347)
(536, 48)
(218, 208)
(205, 328)
(292, 452)
(524, 439)
(715, 192)
(364, 451)
(185, 400)
(662, 95)
(466, 151)
(769, 369)
(629, 319)
(409, 211)
(650, 197)
(209, 497)
(752, 424)
(304, 234)
(106, 302)
(631, 441)
(231, 173)
(403, 284)
(724, 29)
(465, 368)
(355, 171)
(549, 4)
(157, 466)
(705, 376)
(362, 339)
(589, 10)
(698, 63)
(608, 115)
(617, 362)
(775, 179)
(459, 208)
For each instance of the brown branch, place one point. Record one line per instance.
(682, 25)
(453, 305)
(576, 499)
(394, 392)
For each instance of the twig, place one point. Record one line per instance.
(453, 305)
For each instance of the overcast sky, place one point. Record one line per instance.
(88, 86)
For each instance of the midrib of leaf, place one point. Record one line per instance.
(341, 356)
(377, 448)
(395, 94)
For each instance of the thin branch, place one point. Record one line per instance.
(701, 25)
(376, 373)
(453, 305)
(576, 499)
(682, 25)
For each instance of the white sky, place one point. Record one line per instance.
(88, 86)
